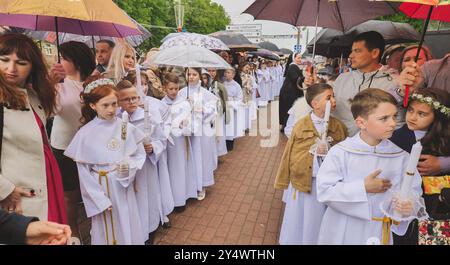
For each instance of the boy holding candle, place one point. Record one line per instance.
(357, 172)
(300, 163)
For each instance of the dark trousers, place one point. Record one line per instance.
(230, 145)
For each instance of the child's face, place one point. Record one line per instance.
(380, 124)
(171, 90)
(419, 116)
(106, 107)
(129, 99)
(212, 72)
(144, 85)
(193, 77)
(319, 103)
(229, 75)
(205, 79)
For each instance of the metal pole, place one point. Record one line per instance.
(317, 22)
(298, 35)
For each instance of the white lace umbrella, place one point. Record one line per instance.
(193, 39)
(189, 56)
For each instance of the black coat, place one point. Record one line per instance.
(289, 92)
(13, 227)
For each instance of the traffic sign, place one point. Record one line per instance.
(297, 48)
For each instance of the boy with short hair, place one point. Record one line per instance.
(357, 172)
(299, 166)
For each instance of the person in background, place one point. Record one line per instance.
(392, 58)
(123, 60)
(103, 51)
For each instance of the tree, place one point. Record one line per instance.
(158, 16)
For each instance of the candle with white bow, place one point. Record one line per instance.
(408, 176)
(123, 135)
(326, 119)
(140, 90)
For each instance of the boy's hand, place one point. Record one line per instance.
(148, 148)
(404, 207)
(375, 185)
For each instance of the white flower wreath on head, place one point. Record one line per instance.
(96, 83)
(432, 103)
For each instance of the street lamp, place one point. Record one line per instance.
(179, 14)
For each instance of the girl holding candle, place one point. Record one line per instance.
(303, 213)
(108, 152)
(427, 121)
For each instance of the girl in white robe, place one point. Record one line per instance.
(204, 111)
(236, 127)
(180, 160)
(263, 84)
(107, 167)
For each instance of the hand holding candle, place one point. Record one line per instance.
(326, 119)
(123, 166)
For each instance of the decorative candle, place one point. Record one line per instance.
(147, 132)
(140, 90)
(326, 118)
(124, 132)
(410, 169)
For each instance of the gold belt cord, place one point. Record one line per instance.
(102, 174)
(186, 142)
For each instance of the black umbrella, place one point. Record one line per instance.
(269, 46)
(264, 53)
(234, 40)
(333, 43)
(286, 51)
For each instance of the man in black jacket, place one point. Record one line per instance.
(17, 229)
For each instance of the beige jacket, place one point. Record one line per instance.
(22, 157)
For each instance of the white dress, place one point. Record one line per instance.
(180, 160)
(204, 109)
(340, 185)
(264, 86)
(303, 213)
(236, 127)
(97, 153)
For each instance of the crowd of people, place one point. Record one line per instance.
(125, 141)
(348, 185)
(134, 142)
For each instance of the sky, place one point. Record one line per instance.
(234, 8)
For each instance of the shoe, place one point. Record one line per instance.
(180, 209)
(151, 237)
(166, 225)
(201, 195)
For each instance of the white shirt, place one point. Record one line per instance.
(67, 122)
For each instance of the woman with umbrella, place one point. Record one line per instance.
(30, 181)
(289, 91)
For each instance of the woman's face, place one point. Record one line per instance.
(193, 77)
(205, 79)
(68, 66)
(246, 69)
(410, 55)
(213, 73)
(128, 61)
(15, 69)
(298, 59)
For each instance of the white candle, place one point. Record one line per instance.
(146, 122)
(410, 169)
(124, 132)
(140, 90)
(326, 118)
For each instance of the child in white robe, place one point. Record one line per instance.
(359, 174)
(299, 166)
(204, 111)
(263, 84)
(147, 184)
(236, 127)
(179, 151)
(107, 166)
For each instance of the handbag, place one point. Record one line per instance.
(436, 230)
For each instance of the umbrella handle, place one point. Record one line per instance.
(405, 99)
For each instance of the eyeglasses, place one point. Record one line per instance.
(130, 100)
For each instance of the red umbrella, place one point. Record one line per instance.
(427, 10)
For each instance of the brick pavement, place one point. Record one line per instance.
(241, 208)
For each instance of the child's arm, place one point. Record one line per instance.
(158, 142)
(94, 196)
(134, 163)
(349, 198)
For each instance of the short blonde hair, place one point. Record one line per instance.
(366, 101)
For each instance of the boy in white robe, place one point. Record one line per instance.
(147, 184)
(299, 166)
(357, 173)
(179, 151)
(204, 111)
(107, 166)
(263, 84)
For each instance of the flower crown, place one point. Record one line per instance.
(96, 83)
(433, 103)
